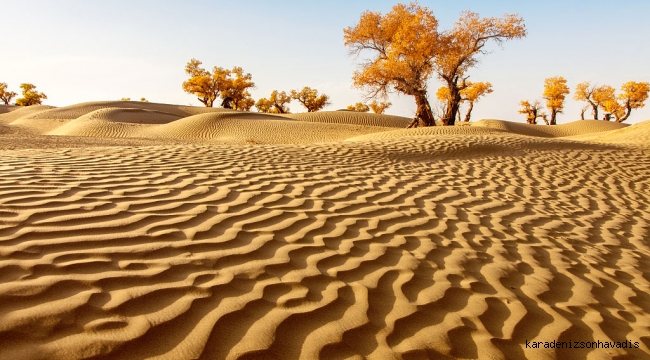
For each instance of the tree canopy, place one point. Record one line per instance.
(409, 49)
(30, 96)
(209, 86)
(310, 99)
(276, 103)
(5, 95)
(532, 111)
(359, 107)
(379, 107)
(555, 91)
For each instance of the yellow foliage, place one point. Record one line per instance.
(310, 99)
(359, 107)
(379, 108)
(475, 90)
(125, 99)
(408, 49)
(30, 96)
(274, 104)
(532, 111)
(634, 94)
(144, 100)
(5, 95)
(555, 91)
(208, 86)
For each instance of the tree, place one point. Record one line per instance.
(125, 99)
(207, 86)
(404, 41)
(612, 107)
(30, 96)
(235, 94)
(596, 96)
(310, 99)
(275, 103)
(555, 91)
(359, 107)
(143, 100)
(409, 49)
(633, 97)
(460, 48)
(532, 111)
(379, 108)
(5, 95)
(472, 93)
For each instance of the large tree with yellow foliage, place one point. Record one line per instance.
(310, 99)
(633, 96)
(5, 95)
(209, 86)
(409, 49)
(595, 96)
(30, 96)
(555, 91)
(276, 103)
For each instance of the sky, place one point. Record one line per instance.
(91, 50)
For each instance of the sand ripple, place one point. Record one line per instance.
(416, 247)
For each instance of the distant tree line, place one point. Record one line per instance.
(633, 96)
(30, 95)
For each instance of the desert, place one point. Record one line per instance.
(324, 180)
(138, 230)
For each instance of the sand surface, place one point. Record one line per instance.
(133, 231)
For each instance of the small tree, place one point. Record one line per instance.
(633, 97)
(235, 93)
(143, 100)
(207, 86)
(5, 95)
(359, 107)
(472, 93)
(555, 91)
(276, 103)
(125, 99)
(532, 111)
(310, 99)
(379, 108)
(30, 96)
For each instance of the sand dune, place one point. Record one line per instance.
(151, 238)
(255, 128)
(637, 133)
(352, 118)
(574, 128)
(17, 112)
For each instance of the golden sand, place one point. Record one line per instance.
(142, 230)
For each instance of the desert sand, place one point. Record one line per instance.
(137, 230)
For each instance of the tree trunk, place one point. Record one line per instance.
(423, 112)
(469, 111)
(545, 118)
(449, 119)
(594, 110)
(582, 114)
(628, 110)
(227, 103)
(553, 117)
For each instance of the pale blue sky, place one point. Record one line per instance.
(87, 50)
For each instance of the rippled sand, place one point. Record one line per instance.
(178, 233)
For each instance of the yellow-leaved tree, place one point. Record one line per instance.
(532, 111)
(310, 99)
(276, 103)
(235, 95)
(555, 91)
(30, 96)
(471, 93)
(5, 95)
(209, 86)
(595, 96)
(633, 97)
(359, 107)
(379, 107)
